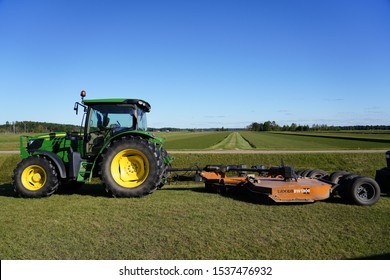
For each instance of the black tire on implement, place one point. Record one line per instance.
(364, 191)
(131, 167)
(35, 177)
(336, 176)
(344, 185)
(306, 172)
(317, 174)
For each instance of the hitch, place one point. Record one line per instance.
(213, 173)
(183, 177)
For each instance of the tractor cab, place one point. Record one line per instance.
(106, 118)
(116, 115)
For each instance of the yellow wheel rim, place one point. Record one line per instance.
(34, 177)
(130, 168)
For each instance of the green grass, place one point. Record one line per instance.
(9, 142)
(359, 163)
(233, 141)
(184, 222)
(358, 134)
(306, 142)
(7, 165)
(276, 141)
(191, 140)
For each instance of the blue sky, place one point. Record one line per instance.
(199, 63)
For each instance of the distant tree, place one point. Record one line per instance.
(293, 127)
(267, 126)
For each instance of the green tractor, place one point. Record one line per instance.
(113, 144)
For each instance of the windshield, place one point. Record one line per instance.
(117, 118)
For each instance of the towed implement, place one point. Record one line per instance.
(283, 184)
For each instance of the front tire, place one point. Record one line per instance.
(131, 167)
(35, 177)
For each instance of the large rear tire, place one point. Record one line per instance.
(165, 165)
(35, 177)
(131, 167)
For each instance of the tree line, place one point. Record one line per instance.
(273, 126)
(36, 127)
(43, 127)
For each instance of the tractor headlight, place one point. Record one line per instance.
(34, 144)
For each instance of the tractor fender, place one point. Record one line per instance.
(122, 134)
(55, 159)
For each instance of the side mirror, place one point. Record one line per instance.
(76, 107)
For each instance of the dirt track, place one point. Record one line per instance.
(9, 152)
(253, 152)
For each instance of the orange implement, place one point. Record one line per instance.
(283, 184)
(277, 188)
(300, 190)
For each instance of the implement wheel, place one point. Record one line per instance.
(306, 172)
(131, 167)
(336, 176)
(364, 191)
(35, 177)
(317, 174)
(345, 183)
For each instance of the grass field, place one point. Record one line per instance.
(192, 140)
(181, 221)
(315, 141)
(247, 140)
(9, 142)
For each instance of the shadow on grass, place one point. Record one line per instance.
(235, 194)
(7, 190)
(95, 190)
(375, 257)
(250, 197)
(98, 190)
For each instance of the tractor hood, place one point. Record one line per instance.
(48, 142)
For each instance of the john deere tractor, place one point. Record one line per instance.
(112, 144)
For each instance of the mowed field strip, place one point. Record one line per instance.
(233, 141)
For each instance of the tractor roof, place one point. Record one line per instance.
(140, 103)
